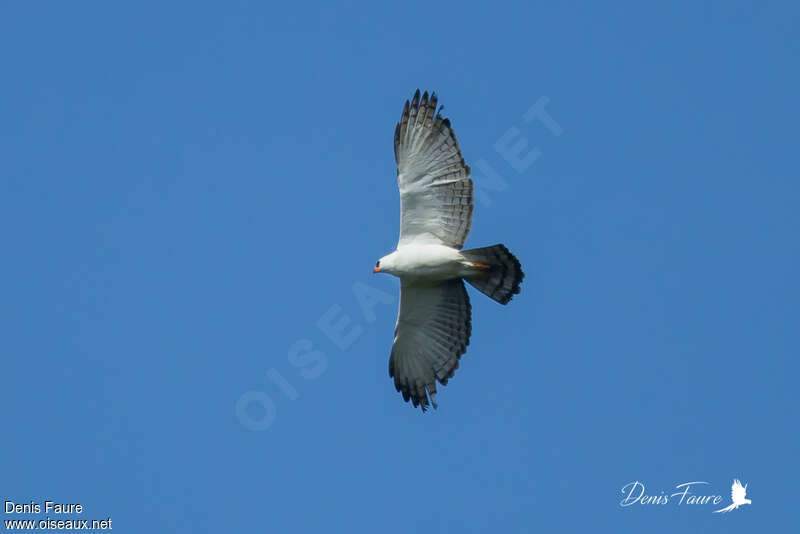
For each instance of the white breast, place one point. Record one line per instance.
(427, 261)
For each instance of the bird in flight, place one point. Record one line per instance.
(436, 204)
(737, 496)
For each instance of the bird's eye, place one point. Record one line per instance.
(378, 264)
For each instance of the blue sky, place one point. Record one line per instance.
(188, 190)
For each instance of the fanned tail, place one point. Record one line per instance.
(498, 273)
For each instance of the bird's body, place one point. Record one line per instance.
(434, 321)
(426, 262)
(738, 493)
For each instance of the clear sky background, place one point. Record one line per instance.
(188, 190)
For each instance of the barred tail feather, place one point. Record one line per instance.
(499, 272)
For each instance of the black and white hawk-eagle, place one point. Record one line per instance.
(436, 204)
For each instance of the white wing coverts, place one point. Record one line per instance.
(435, 187)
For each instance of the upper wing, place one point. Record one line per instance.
(737, 491)
(435, 188)
(432, 332)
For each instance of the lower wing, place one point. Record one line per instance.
(432, 332)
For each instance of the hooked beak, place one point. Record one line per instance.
(376, 269)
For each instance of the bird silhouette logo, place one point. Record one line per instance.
(737, 496)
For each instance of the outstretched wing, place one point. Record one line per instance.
(737, 491)
(435, 188)
(432, 332)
